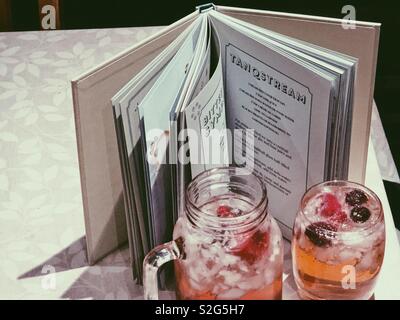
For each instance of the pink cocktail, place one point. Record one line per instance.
(226, 244)
(229, 266)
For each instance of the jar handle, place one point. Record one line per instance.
(154, 260)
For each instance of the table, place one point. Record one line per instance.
(42, 245)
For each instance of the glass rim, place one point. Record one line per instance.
(259, 206)
(368, 228)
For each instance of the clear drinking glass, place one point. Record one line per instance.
(226, 244)
(338, 242)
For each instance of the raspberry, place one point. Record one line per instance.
(360, 214)
(321, 233)
(356, 197)
(330, 205)
(254, 247)
(224, 211)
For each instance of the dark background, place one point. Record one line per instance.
(74, 14)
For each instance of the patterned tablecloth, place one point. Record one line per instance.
(41, 215)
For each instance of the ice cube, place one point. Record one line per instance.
(371, 259)
(269, 275)
(348, 254)
(251, 283)
(227, 259)
(198, 271)
(231, 278)
(193, 254)
(243, 267)
(275, 253)
(360, 239)
(219, 287)
(367, 261)
(325, 254)
(209, 252)
(213, 268)
(198, 286)
(231, 294)
(214, 249)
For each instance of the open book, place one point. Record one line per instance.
(218, 90)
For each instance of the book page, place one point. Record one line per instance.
(205, 114)
(154, 113)
(125, 104)
(198, 75)
(287, 105)
(338, 64)
(206, 124)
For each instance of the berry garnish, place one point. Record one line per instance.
(330, 205)
(321, 233)
(254, 247)
(360, 214)
(356, 197)
(224, 211)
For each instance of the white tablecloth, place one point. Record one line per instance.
(41, 215)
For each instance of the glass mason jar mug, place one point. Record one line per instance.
(226, 244)
(338, 242)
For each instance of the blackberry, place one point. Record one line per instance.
(321, 233)
(356, 197)
(360, 214)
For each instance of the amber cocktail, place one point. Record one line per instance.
(339, 242)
